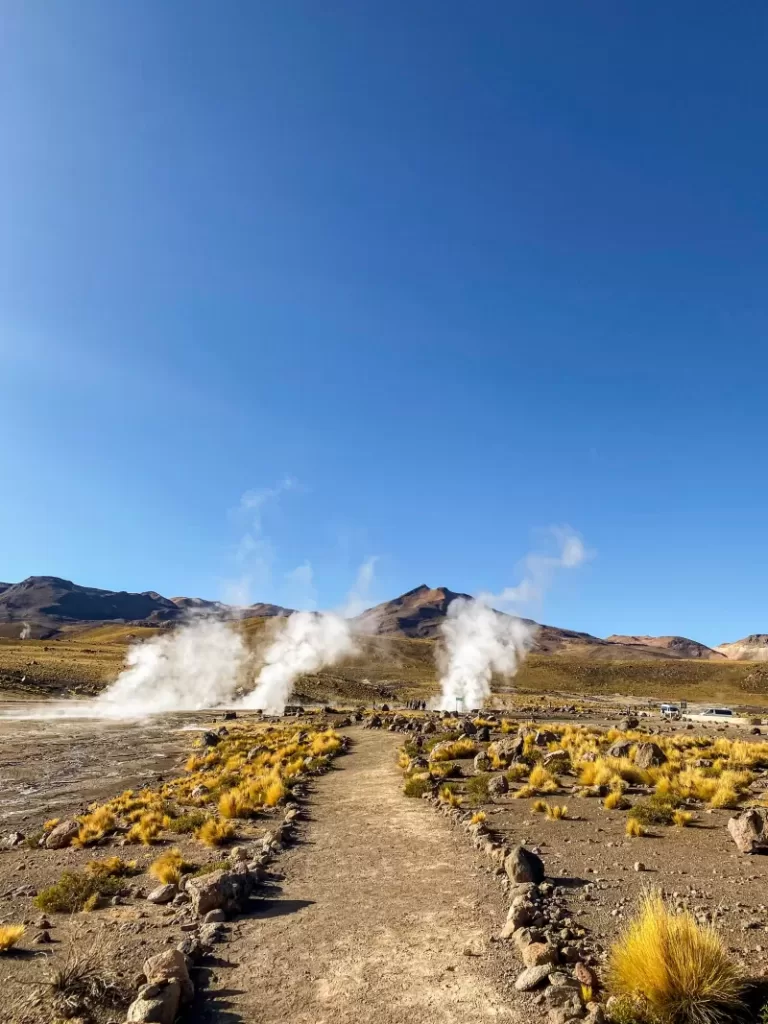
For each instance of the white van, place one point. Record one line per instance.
(672, 712)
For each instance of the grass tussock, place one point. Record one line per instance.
(215, 833)
(112, 867)
(683, 818)
(539, 806)
(675, 967)
(450, 797)
(77, 890)
(616, 801)
(454, 750)
(417, 785)
(169, 867)
(10, 934)
(478, 818)
(540, 781)
(635, 829)
(556, 812)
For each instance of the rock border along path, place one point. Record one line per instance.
(384, 914)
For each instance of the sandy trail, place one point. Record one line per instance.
(379, 905)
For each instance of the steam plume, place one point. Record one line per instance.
(26, 631)
(478, 640)
(196, 666)
(305, 642)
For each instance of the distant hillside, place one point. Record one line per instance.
(678, 646)
(47, 607)
(47, 604)
(752, 648)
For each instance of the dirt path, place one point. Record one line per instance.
(382, 915)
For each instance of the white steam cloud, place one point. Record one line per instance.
(199, 665)
(26, 631)
(305, 642)
(478, 640)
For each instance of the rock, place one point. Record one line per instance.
(170, 965)
(12, 839)
(620, 748)
(482, 763)
(524, 866)
(163, 893)
(544, 737)
(538, 953)
(747, 831)
(220, 890)
(62, 835)
(483, 734)
(585, 975)
(531, 977)
(158, 1004)
(214, 915)
(468, 727)
(649, 755)
(628, 723)
(210, 739)
(211, 933)
(595, 1013)
(238, 853)
(498, 786)
(42, 937)
(507, 749)
(639, 866)
(556, 759)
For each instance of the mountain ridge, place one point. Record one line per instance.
(50, 606)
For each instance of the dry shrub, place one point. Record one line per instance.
(478, 817)
(635, 828)
(112, 867)
(539, 806)
(417, 785)
(675, 967)
(448, 796)
(10, 935)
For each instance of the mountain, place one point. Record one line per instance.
(676, 646)
(46, 606)
(420, 612)
(752, 648)
(48, 603)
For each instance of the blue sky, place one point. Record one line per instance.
(456, 272)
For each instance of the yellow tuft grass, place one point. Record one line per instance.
(449, 797)
(168, 867)
(478, 817)
(215, 833)
(683, 818)
(10, 935)
(616, 801)
(635, 828)
(539, 806)
(556, 812)
(453, 751)
(677, 968)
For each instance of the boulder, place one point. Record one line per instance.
(220, 890)
(585, 975)
(482, 763)
(498, 786)
(649, 755)
(62, 835)
(521, 865)
(483, 734)
(210, 739)
(468, 727)
(748, 831)
(156, 1004)
(531, 977)
(508, 749)
(620, 748)
(170, 965)
(163, 894)
(628, 723)
(544, 737)
(538, 953)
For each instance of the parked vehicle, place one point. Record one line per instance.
(671, 712)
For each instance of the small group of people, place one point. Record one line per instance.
(416, 705)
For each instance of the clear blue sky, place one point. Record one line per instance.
(459, 270)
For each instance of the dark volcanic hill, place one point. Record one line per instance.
(47, 603)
